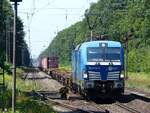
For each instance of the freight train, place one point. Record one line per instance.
(98, 68)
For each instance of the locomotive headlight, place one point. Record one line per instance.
(85, 75)
(122, 74)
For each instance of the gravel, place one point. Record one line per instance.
(51, 87)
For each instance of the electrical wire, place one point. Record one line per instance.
(59, 8)
(49, 3)
(34, 10)
(64, 14)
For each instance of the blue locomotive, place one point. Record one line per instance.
(98, 68)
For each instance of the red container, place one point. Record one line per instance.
(44, 63)
(49, 62)
(53, 62)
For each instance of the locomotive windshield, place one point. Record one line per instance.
(95, 54)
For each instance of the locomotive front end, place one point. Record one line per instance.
(104, 71)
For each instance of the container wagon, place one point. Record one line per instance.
(47, 63)
(53, 62)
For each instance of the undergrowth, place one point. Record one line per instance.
(25, 102)
(139, 81)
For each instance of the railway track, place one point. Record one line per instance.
(131, 110)
(87, 109)
(103, 108)
(73, 108)
(117, 107)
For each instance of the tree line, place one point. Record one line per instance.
(116, 19)
(6, 37)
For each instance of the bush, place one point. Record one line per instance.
(7, 68)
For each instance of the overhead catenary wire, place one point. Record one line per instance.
(30, 15)
(59, 8)
(29, 20)
(33, 10)
(49, 3)
(36, 10)
(53, 13)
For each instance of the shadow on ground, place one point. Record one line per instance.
(122, 99)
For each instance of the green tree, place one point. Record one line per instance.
(116, 18)
(6, 34)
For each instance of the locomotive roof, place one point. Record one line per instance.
(96, 44)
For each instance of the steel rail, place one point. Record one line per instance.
(132, 110)
(72, 108)
(139, 94)
(62, 104)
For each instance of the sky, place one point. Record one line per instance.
(43, 19)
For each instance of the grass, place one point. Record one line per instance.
(25, 101)
(139, 81)
(65, 67)
(1, 76)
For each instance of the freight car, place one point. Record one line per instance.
(98, 68)
(47, 63)
(44, 63)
